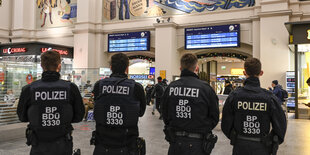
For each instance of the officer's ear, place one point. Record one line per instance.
(58, 68)
(196, 69)
(244, 73)
(261, 73)
(126, 72)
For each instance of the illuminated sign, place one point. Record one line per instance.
(308, 34)
(139, 76)
(236, 71)
(212, 37)
(61, 52)
(14, 50)
(128, 42)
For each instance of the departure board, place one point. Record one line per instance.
(212, 37)
(127, 42)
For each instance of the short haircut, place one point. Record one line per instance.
(159, 78)
(50, 60)
(275, 82)
(119, 63)
(68, 1)
(189, 61)
(252, 67)
(308, 81)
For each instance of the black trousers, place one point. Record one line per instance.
(243, 147)
(102, 150)
(58, 147)
(186, 146)
(158, 105)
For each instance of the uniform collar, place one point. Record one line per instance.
(50, 76)
(186, 72)
(119, 75)
(252, 82)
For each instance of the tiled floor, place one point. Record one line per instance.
(297, 139)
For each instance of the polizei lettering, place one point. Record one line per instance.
(183, 91)
(253, 106)
(50, 95)
(122, 90)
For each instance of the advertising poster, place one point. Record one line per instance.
(133, 9)
(55, 13)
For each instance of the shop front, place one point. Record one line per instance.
(20, 64)
(297, 87)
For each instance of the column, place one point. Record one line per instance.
(88, 49)
(274, 51)
(166, 55)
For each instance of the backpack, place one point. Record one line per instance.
(160, 90)
(284, 94)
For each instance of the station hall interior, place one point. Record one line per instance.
(154, 34)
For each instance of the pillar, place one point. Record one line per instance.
(166, 55)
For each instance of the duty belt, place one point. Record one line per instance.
(254, 139)
(189, 135)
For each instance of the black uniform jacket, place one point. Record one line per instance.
(239, 108)
(48, 76)
(139, 93)
(203, 114)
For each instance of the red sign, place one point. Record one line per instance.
(61, 52)
(2, 75)
(14, 50)
(29, 78)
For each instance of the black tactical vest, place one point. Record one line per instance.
(188, 105)
(50, 112)
(116, 105)
(252, 112)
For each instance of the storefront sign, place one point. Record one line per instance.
(301, 34)
(14, 50)
(236, 71)
(137, 76)
(2, 75)
(61, 52)
(33, 49)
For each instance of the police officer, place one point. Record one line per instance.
(249, 113)
(50, 105)
(190, 111)
(119, 102)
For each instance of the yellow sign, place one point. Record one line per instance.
(236, 71)
(162, 74)
(308, 34)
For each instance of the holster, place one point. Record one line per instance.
(169, 134)
(93, 138)
(209, 142)
(30, 136)
(233, 137)
(141, 146)
(275, 145)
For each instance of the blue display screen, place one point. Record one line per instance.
(125, 42)
(152, 70)
(212, 37)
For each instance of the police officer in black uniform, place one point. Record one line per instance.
(119, 102)
(249, 113)
(50, 105)
(190, 112)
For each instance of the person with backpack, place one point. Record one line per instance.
(278, 90)
(157, 93)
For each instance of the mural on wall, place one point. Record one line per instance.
(56, 13)
(132, 9)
